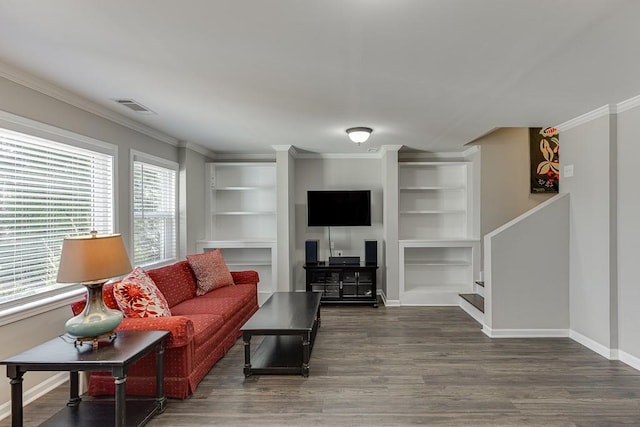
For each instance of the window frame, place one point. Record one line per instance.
(139, 156)
(41, 302)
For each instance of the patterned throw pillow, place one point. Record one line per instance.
(211, 271)
(138, 296)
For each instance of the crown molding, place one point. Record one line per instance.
(197, 148)
(605, 110)
(47, 88)
(288, 149)
(628, 104)
(391, 147)
(243, 157)
(377, 155)
(440, 155)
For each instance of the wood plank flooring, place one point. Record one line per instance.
(410, 365)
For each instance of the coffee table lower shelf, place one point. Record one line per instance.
(278, 354)
(101, 412)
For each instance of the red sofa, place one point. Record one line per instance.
(203, 329)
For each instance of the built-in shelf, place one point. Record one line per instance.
(241, 218)
(438, 257)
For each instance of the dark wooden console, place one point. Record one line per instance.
(343, 284)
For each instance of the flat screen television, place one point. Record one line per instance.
(338, 208)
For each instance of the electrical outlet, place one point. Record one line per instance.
(333, 245)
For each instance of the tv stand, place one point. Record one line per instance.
(343, 284)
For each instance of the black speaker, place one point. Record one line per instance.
(371, 252)
(311, 252)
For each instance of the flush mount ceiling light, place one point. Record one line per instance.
(359, 135)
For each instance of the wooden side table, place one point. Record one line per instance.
(61, 354)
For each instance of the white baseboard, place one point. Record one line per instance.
(35, 392)
(630, 360)
(525, 333)
(592, 345)
(389, 302)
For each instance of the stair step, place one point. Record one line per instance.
(475, 300)
(480, 283)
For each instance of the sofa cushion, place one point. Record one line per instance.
(176, 282)
(211, 271)
(225, 307)
(244, 293)
(205, 326)
(138, 296)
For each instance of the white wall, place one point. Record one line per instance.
(587, 147)
(285, 222)
(390, 250)
(527, 273)
(336, 174)
(628, 233)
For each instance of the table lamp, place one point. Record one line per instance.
(93, 260)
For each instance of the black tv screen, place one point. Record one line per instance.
(338, 208)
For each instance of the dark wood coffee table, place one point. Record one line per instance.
(289, 321)
(61, 354)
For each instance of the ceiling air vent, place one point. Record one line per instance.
(134, 106)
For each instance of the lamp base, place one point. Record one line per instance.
(96, 319)
(95, 340)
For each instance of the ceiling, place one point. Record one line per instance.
(244, 75)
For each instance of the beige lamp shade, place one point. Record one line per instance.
(93, 258)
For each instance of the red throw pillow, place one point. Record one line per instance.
(138, 296)
(211, 271)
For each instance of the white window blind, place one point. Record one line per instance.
(48, 190)
(154, 213)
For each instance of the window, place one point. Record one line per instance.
(48, 190)
(154, 211)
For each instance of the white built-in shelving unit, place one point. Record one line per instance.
(439, 256)
(241, 218)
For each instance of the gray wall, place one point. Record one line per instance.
(28, 103)
(587, 147)
(192, 187)
(22, 101)
(527, 279)
(336, 174)
(629, 231)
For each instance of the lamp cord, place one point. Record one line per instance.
(330, 246)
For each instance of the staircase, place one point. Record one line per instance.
(473, 303)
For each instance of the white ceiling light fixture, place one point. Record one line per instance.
(359, 135)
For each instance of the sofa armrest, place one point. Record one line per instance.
(249, 277)
(180, 328)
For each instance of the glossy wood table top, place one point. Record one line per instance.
(60, 352)
(294, 312)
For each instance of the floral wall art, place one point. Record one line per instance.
(544, 148)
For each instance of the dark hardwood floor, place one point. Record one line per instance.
(410, 365)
